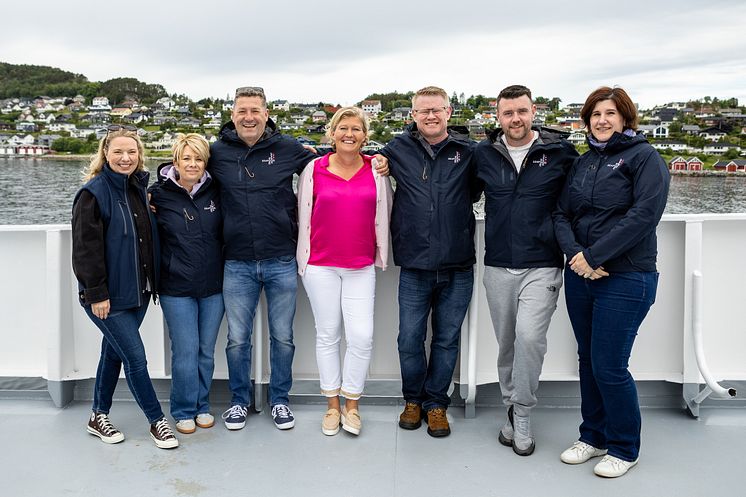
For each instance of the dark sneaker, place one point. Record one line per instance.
(437, 423)
(283, 417)
(99, 425)
(235, 417)
(411, 417)
(506, 432)
(162, 435)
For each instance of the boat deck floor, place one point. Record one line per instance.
(47, 452)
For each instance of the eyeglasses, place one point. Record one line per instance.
(250, 91)
(120, 127)
(436, 111)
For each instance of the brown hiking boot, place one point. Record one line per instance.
(411, 417)
(437, 423)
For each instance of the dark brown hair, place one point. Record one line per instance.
(514, 91)
(623, 103)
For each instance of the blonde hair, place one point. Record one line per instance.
(431, 91)
(99, 158)
(195, 141)
(344, 113)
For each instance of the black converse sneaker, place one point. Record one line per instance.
(162, 435)
(99, 425)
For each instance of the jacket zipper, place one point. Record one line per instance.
(134, 243)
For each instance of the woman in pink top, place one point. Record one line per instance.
(343, 216)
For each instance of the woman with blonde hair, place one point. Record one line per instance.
(342, 192)
(114, 242)
(187, 206)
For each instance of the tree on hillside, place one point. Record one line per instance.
(390, 101)
(22, 80)
(120, 89)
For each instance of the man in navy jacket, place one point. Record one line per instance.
(254, 165)
(432, 231)
(523, 170)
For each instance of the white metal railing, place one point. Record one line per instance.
(44, 332)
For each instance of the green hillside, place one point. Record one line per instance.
(22, 80)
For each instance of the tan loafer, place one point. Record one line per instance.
(330, 423)
(351, 421)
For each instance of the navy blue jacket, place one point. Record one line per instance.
(123, 280)
(191, 237)
(518, 206)
(432, 221)
(260, 219)
(611, 204)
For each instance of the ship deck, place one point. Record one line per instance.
(46, 451)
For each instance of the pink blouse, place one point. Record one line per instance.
(343, 217)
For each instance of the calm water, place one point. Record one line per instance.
(41, 191)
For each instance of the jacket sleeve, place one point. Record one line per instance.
(563, 214)
(650, 192)
(476, 185)
(302, 157)
(89, 264)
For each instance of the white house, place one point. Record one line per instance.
(371, 107)
(283, 105)
(713, 134)
(577, 137)
(676, 146)
(719, 148)
(57, 127)
(319, 116)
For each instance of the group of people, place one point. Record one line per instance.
(222, 223)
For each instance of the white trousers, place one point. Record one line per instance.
(342, 296)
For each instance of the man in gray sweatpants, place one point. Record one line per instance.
(523, 170)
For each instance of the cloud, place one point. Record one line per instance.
(340, 53)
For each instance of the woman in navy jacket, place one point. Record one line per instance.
(114, 242)
(605, 224)
(187, 208)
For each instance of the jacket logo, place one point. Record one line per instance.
(456, 158)
(541, 161)
(616, 165)
(211, 207)
(270, 160)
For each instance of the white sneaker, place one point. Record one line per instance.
(613, 467)
(185, 426)
(580, 452)
(205, 420)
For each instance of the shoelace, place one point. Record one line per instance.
(163, 429)
(410, 407)
(616, 463)
(580, 449)
(281, 410)
(105, 425)
(438, 413)
(234, 411)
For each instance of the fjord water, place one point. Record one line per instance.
(41, 191)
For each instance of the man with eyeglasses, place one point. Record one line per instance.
(432, 229)
(254, 165)
(523, 169)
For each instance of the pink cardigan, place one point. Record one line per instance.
(384, 200)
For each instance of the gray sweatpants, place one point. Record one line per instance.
(521, 303)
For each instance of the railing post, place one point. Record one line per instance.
(692, 263)
(60, 391)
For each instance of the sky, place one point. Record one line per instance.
(340, 52)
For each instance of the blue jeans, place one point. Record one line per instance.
(193, 325)
(447, 294)
(242, 283)
(605, 316)
(122, 344)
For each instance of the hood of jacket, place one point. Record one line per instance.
(617, 143)
(547, 136)
(457, 133)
